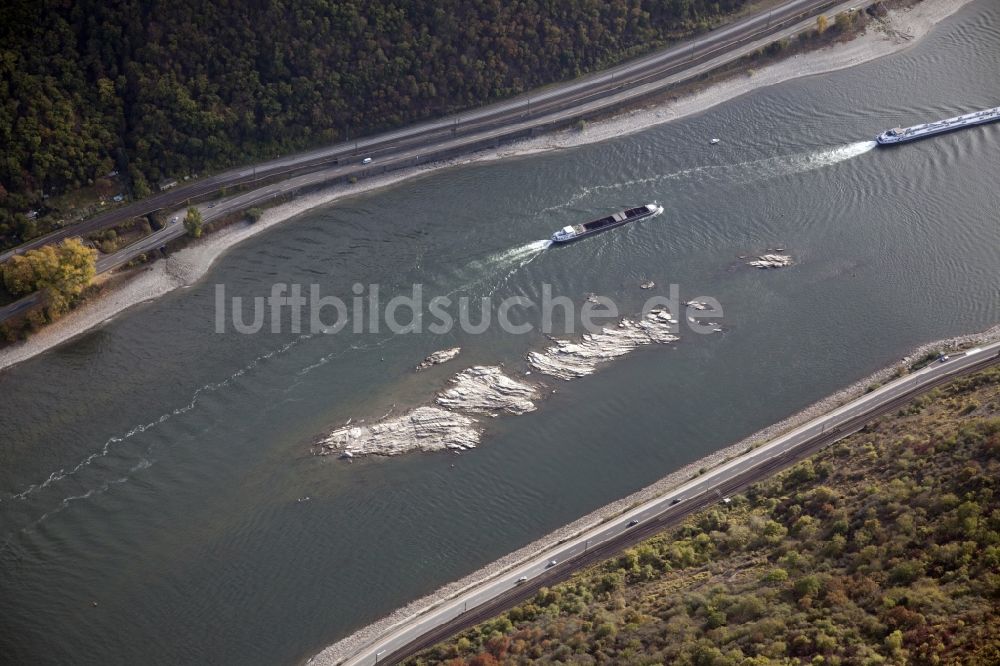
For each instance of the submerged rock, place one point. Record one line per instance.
(568, 360)
(486, 389)
(771, 261)
(439, 357)
(422, 429)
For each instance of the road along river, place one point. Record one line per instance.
(163, 471)
(743, 35)
(601, 541)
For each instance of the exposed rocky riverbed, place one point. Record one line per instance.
(771, 261)
(450, 424)
(424, 429)
(568, 360)
(439, 357)
(488, 390)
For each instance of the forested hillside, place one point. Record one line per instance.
(157, 89)
(884, 549)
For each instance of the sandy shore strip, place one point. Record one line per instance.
(900, 29)
(348, 646)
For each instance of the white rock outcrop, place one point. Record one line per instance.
(568, 360)
(422, 429)
(771, 261)
(486, 389)
(439, 357)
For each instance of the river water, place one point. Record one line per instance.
(161, 470)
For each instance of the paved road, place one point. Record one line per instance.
(442, 138)
(507, 589)
(19, 306)
(534, 105)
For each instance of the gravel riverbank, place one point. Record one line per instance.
(900, 29)
(339, 651)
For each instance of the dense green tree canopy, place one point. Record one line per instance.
(158, 89)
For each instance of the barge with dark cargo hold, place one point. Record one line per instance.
(905, 134)
(578, 231)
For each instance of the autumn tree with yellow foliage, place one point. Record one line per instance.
(61, 272)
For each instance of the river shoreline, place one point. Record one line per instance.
(335, 653)
(899, 30)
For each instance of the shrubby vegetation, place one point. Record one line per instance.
(254, 215)
(166, 89)
(61, 272)
(193, 224)
(884, 549)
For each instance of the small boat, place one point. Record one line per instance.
(714, 141)
(578, 231)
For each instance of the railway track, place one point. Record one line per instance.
(536, 106)
(673, 515)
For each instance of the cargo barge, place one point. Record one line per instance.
(578, 231)
(905, 134)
